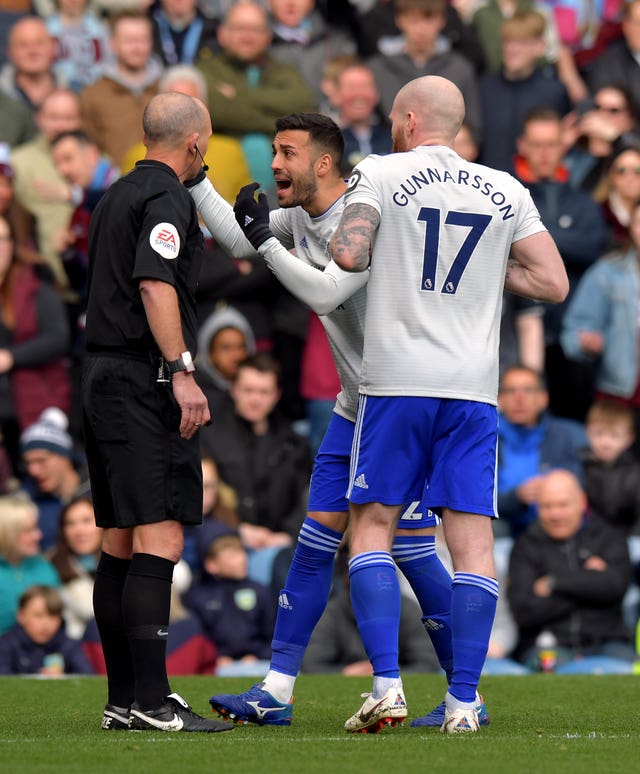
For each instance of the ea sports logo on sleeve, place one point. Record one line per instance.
(165, 240)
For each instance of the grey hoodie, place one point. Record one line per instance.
(224, 317)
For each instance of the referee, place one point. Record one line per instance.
(142, 409)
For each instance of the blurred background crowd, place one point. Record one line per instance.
(552, 91)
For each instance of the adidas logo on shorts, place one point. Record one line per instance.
(284, 602)
(361, 482)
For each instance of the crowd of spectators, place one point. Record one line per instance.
(552, 93)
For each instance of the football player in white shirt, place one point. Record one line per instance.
(435, 233)
(307, 155)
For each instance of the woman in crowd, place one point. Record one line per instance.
(34, 339)
(601, 322)
(619, 191)
(75, 557)
(21, 563)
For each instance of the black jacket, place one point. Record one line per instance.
(584, 609)
(613, 489)
(270, 474)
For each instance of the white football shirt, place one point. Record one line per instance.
(434, 295)
(295, 228)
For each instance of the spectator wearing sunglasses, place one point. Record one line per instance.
(598, 128)
(618, 192)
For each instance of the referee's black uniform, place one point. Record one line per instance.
(142, 471)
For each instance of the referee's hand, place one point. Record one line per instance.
(193, 404)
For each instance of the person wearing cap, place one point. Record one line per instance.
(55, 473)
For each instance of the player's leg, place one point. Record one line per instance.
(304, 597)
(375, 597)
(462, 484)
(414, 551)
(473, 604)
(300, 605)
(306, 591)
(387, 469)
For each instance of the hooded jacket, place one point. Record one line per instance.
(214, 385)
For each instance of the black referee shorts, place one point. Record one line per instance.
(141, 470)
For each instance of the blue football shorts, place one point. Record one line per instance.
(441, 451)
(330, 478)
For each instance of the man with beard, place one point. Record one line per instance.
(435, 234)
(308, 150)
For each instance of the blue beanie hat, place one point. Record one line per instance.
(48, 432)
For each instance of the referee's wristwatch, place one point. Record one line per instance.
(183, 363)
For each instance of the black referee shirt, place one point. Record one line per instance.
(145, 226)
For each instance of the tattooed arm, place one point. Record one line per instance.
(352, 241)
(536, 270)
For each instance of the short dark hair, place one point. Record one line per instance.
(52, 599)
(540, 377)
(75, 134)
(541, 114)
(323, 132)
(425, 7)
(263, 362)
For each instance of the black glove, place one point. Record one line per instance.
(252, 215)
(200, 176)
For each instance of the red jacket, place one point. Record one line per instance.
(34, 388)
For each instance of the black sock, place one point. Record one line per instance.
(107, 607)
(145, 609)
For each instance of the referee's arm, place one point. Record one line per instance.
(163, 314)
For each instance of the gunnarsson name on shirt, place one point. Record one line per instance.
(412, 185)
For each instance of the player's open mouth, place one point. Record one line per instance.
(283, 185)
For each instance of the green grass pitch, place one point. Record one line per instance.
(539, 723)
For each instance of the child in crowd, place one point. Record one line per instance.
(37, 644)
(225, 340)
(219, 503)
(237, 614)
(611, 469)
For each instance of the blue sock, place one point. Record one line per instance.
(304, 597)
(431, 583)
(473, 608)
(375, 596)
